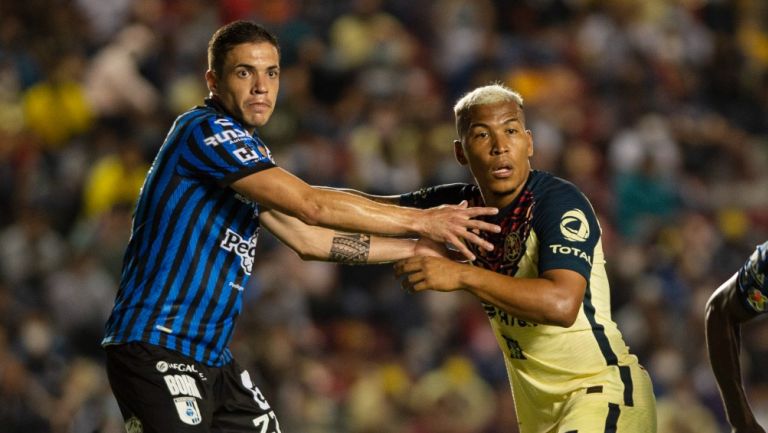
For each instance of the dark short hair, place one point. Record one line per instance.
(235, 33)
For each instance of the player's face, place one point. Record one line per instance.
(497, 148)
(249, 82)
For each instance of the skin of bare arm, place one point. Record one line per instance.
(724, 316)
(552, 299)
(385, 199)
(277, 189)
(318, 243)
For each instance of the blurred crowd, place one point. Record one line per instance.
(656, 109)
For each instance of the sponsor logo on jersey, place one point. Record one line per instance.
(574, 226)
(228, 135)
(181, 384)
(514, 351)
(244, 248)
(757, 300)
(161, 366)
(188, 411)
(247, 154)
(571, 251)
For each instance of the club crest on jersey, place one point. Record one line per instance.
(513, 248)
(189, 412)
(244, 248)
(757, 300)
(574, 226)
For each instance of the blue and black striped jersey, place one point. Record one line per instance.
(193, 240)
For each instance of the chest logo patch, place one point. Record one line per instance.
(574, 226)
(513, 248)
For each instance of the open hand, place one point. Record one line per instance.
(454, 224)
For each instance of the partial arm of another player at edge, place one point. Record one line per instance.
(552, 299)
(278, 189)
(724, 315)
(318, 243)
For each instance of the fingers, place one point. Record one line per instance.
(463, 249)
(477, 240)
(480, 211)
(484, 226)
(407, 266)
(411, 272)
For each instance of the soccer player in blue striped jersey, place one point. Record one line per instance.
(192, 247)
(740, 299)
(543, 286)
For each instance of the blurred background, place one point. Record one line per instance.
(656, 109)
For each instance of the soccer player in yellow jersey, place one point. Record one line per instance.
(544, 285)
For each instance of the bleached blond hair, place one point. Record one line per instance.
(484, 95)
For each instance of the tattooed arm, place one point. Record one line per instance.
(318, 243)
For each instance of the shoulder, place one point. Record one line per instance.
(752, 281)
(545, 184)
(555, 195)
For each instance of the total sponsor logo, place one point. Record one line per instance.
(571, 251)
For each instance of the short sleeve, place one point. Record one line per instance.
(567, 228)
(752, 281)
(432, 196)
(223, 151)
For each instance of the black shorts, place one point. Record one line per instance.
(162, 391)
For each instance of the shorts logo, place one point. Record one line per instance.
(188, 411)
(246, 249)
(757, 300)
(163, 366)
(133, 425)
(181, 384)
(574, 226)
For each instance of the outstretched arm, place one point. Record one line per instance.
(277, 189)
(553, 299)
(724, 316)
(318, 243)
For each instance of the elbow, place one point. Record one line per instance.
(714, 310)
(310, 213)
(563, 313)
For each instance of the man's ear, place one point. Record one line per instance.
(458, 151)
(210, 80)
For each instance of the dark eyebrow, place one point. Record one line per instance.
(483, 125)
(252, 68)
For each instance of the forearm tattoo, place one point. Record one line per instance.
(351, 249)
